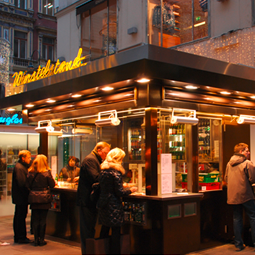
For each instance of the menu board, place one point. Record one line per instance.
(166, 173)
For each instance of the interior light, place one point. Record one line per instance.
(29, 105)
(191, 87)
(252, 97)
(248, 119)
(112, 119)
(225, 93)
(143, 80)
(49, 128)
(199, 24)
(107, 88)
(11, 109)
(191, 119)
(82, 131)
(51, 101)
(76, 95)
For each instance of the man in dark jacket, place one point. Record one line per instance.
(89, 174)
(240, 174)
(19, 196)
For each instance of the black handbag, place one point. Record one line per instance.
(39, 196)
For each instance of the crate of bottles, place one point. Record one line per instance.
(204, 178)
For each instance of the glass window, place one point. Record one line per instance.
(10, 146)
(20, 3)
(172, 139)
(6, 34)
(48, 7)
(181, 21)
(99, 30)
(20, 44)
(48, 48)
(85, 33)
(129, 136)
(209, 140)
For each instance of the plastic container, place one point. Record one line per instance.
(204, 178)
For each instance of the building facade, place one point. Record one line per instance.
(30, 27)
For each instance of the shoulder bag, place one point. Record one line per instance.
(40, 195)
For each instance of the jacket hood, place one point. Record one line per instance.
(115, 166)
(237, 159)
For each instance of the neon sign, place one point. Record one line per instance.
(11, 120)
(22, 78)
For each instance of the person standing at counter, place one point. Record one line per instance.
(239, 176)
(111, 212)
(89, 174)
(40, 179)
(70, 173)
(20, 196)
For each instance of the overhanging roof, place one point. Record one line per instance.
(147, 60)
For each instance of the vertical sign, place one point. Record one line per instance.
(166, 173)
(54, 165)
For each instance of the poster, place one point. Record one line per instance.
(166, 173)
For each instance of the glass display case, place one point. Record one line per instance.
(172, 139)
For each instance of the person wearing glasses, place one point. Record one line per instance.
(89, 174)
(239, 176)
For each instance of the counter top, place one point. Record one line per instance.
(173, 196)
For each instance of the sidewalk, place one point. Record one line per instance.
(54, 245)
(57, 246)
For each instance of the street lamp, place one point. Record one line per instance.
(30, 66)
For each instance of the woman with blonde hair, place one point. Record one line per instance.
(39, 180)
(111, 213)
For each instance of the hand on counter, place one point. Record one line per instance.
(133, 189)
(76, 179)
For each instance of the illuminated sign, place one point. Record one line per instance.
(22, 78)
(11, 120)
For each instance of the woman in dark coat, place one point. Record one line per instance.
(40, 178)
(111, 213)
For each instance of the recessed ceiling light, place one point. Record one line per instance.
(107, 88)
(225, 93)
(51, 101)
(191, 87)
(11, 109)
(143, 80)
(76, 95)
(252, 97)
(29, 105)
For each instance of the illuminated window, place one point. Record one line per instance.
(181, 21)
(20, 44)
(99, 30)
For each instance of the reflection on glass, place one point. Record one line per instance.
(172, 22)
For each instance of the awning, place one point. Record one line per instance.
(88, 5)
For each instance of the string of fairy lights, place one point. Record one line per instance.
(234, 47)
(5, 52)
